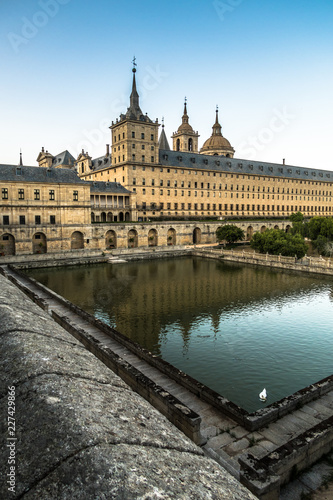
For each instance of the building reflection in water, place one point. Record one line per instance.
(202, 315)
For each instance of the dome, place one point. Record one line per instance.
(217, 144)
(185, 127)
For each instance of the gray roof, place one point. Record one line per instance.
(101, 162)
(180, 159)
(64, 158)
(163, 141)
(110, 187)
(39, 174)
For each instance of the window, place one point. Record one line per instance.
(152, 159)
(133, 135)
(142, 135)
(133, 157)
(134, 181)
(5, 220)
(22, 219)
(151, 137)
(51, 194)
(153, 182)
(37, 219)
(37, 194)
(21, 194)
(143, 182)
(52, 219)
(4, 193)
(75, 196)
(143, 158)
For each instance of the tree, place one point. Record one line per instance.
(276, 242)
(230, 233)
(298, 217)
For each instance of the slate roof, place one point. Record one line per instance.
(101, 162)
(64, 158)
(180, 159)
(39, 174)
(163, 141)
(110, 187)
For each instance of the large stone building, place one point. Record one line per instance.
(211, 183)
(51, 209)
(58, 205)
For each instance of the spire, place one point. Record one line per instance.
(134, 111)
(163, 141)
(217, 129)
(185, 115)
(21, 162)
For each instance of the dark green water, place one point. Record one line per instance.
(236, 329)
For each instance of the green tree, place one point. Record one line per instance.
(230, 233)
(276, 242)
(298, 217)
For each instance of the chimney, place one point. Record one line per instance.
(283, 161)
(83, 151)
(43, 149)
(107, 150)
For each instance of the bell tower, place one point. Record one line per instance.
(134, 136)
(185, 139)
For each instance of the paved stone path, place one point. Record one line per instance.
(226, 440)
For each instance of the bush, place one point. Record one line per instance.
(276, 242)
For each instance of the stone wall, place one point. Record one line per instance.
(80, 432)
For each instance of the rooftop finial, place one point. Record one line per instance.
(134, 64)
(217, 114)
(162, 121)
(21, 162)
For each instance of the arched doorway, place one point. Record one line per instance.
(196, 236)
(7, 244)
(288, 228)
(276, 227)
(121, 216)
(127, 216)
(77, 241)
(109, 217)
(103, 217)
(111, 239)
(249, 233)
(178, 145)
(132, 239)
(171, 236)
(152, 238)
(92, 217)
(263, 229)
(39, 244)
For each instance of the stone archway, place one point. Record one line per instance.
(276, 227)
(77, 241)
(263, 229)
(121, 216)
(196, 236)
(171, 236)
(152, 238)
(39, 244)
(7, 244)
(103, 217)
(288, 228)
(111, 239)
(249, 233)
(92, 217)
(132, 239)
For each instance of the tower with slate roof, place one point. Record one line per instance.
(134, 135)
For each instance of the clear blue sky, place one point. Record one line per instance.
(66, 73)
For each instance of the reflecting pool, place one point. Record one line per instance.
(235, 328)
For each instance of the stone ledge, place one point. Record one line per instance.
(81, 431)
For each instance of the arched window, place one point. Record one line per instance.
(178, 145)
(190, 144)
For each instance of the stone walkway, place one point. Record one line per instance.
(226, 440)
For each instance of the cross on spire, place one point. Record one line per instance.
(134, 64)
